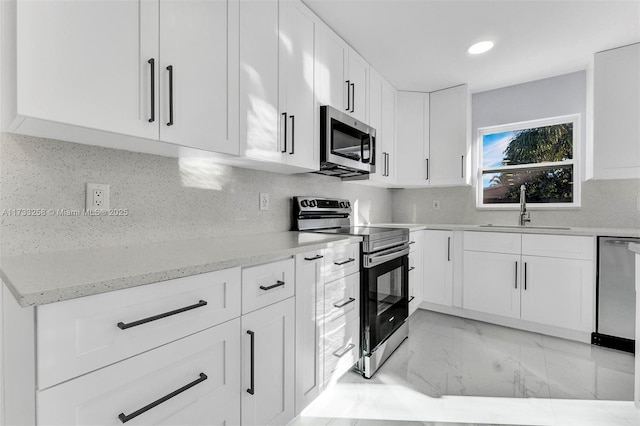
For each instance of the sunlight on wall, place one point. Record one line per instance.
(203, 172)
(308, 67)
(361, 212)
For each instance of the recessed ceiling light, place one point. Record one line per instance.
(480, 47)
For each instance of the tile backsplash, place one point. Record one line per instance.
(167, 198)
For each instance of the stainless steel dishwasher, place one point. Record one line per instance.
(616, 308)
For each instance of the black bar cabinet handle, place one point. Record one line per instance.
(462, 168)
(516, 276)
(525, 275)
(388, 164)
(412, 242)
(293, 132)
(126, 417)
(170, 69)
(412, 268)
(353, 97)
(341, 305)
(411, 298)
(427, 168)
(314, 257)
(152, 62)
(345, 262)
(124, 326)
(284, 149)
(448, 249)
(348, 96)
(277, 284)
(252, 388)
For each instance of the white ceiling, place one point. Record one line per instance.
(422, 44)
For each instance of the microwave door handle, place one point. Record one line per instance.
(362, 143)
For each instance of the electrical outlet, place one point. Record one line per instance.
(264, 201)
(436, 204)
(97, 197)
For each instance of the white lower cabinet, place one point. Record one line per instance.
(192, 381)
(544, 279)
(268, 364)
(438, 267)
(416, 270)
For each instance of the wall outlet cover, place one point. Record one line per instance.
(97, 197)
(264, 201)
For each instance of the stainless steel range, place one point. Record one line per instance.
(384, 275)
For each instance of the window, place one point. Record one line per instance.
(540, 154)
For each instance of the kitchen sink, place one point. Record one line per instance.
(561, 228)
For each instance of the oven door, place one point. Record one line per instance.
(385, 296)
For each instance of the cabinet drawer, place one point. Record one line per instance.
(341, 349)
(266, 284)
(494, 242)
(341, 301)
(415, 241)
(81, 335)
(562, 246)
(341, 261)
(123, 388)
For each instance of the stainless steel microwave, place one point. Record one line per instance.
(347, 146)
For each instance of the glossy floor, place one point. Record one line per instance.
(457, 371)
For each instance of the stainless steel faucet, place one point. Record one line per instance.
(524, 215)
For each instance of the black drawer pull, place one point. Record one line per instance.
(277, 284)
(314, 257)
(124, 326)
(351, 300)
(412, 242)
(152, 62)
(252, 388)
(346, 351)
(126, 417)
(411, 298)
(345, 262)
(170, 69)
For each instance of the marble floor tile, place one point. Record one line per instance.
(455, 371)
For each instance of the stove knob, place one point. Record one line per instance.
(348, 204)
(312, 203)
(343, 204)
(304, 203)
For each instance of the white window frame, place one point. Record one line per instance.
(575, 162)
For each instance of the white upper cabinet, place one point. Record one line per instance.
(357, 99)
(342, 76)
(382, 117)
(448, 136)
(159, 70)
(198, 74)
(86, 63)
(616, 110)
(412, 139)
(278, 111)
(297, 98)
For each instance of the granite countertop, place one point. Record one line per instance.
(529, 229)
(634, 247)
(41, 278)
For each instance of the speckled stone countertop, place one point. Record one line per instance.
(529, 229)
(634, 247)
(41, 278)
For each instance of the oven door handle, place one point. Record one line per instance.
(378, 258)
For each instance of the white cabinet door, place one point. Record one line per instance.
(412, 142)
(358, 86)
(558, 292)
(309, 308)
(332, 62)
(268, 364)
(259, 46)
(448, 130)
(616, 111)
(382, 117)
(492, 283)
(85, 63)
(297, 29)
(204, 367)
(416, 270)
(199, 74)
(438, 267)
